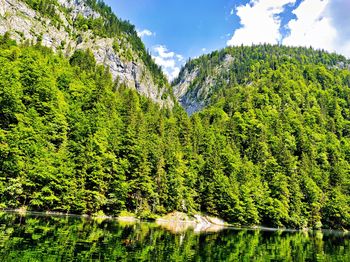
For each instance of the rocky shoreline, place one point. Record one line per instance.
(177, 222)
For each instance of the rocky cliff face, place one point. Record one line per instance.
(23, 23)
(188, 95)
(193, 89)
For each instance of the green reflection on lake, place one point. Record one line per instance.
(55, 238)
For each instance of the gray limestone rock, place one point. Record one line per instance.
(23, 23)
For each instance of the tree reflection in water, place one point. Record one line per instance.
(59, 238)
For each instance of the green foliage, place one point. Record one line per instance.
(283, 114)
(83, 59)
(71, 140)
(47, 8)
(273, 149)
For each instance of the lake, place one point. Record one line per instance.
(36, 237)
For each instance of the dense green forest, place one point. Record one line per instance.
(273, 149)
(245, 60)
(242, 65)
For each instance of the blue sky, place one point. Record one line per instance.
(175, 30)
(184, 26)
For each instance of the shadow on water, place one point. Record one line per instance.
(36, 237)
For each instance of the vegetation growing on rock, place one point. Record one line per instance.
(68, 26)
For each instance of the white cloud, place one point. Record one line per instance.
(145, 32)
(163, 51)
(174, 73)
(339, 11)
(180, 58)
(322, 24)
(260, 22)
(204, 49)
(169, 61)
(312, 27)
(163, 62)
(232, 11)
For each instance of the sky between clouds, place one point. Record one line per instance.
(173, 31)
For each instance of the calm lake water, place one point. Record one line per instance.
(55, 238)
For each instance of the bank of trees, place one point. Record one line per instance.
(273, 152)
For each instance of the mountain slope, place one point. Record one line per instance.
(278, 122)
(70, 25)
(201, 79)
